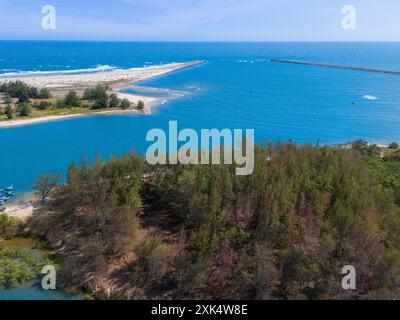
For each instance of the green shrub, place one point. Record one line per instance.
(72, 99)
(9, 112)
(43, 105)
(152, 257)
(8, 225)
(114, 101)
(17, 266)
(33, 93)
(99, 95)
(7, 99)
(60, 104)
(44, 93)
(140, 105)
(125, 104)
(24, 109)
(24, 96)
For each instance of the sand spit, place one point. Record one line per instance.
(59, 84)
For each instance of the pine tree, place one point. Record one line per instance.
(140, 105)
(114, 101)
(73, 178)
(9, 112)
(72, 99)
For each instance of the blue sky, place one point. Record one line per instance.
(201, 20)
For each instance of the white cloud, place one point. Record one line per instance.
(186, 14)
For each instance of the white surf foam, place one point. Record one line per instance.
(155, 67)
(99, 68)
(369, 97)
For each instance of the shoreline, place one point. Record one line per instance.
(38, 120)
(21, 207)
(149, 104)
(117, 80)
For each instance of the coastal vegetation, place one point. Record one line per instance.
(125, 229)
(9, 112)
(23, 109)
(8, 226)
(22, 101)
(21, 259)
(140, 105)
(17, 266)
(53, 96)
(23, 92)
(125, 104)
(100, 202)
(44, 185)
(385, 163)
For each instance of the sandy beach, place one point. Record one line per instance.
(21, 207)
(32, 121)
(59, 84)
(116, 78)
(149, 103)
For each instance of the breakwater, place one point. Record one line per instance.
(335, 66)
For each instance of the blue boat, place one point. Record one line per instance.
(6, 193)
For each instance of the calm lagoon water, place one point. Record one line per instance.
(33, 291)
(238, 87)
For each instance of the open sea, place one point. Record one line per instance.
(237, 88)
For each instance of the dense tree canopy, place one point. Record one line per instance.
(99, 207)
(22, 100)
(284, 232)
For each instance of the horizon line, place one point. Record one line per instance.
(205, 41)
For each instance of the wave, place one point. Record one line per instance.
(99, 68)
(369, 97)
(160, 93)
(19, 73)
(155, 67)
(251, 61)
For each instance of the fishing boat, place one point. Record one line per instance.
(6, 193)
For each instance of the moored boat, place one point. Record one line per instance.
(6, 193)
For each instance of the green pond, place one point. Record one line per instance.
(32, 290)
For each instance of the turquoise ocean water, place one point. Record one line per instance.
(238, 87)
